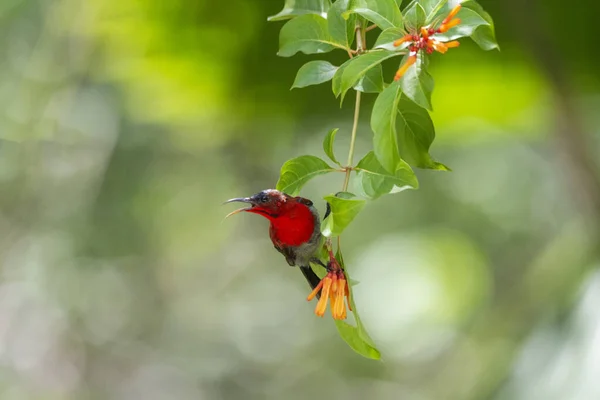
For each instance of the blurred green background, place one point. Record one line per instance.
(125, 123)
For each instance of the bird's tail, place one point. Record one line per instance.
(312, 278)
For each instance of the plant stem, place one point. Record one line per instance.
(360, 42)
(352, 142)
(360, 47)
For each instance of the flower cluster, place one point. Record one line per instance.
(333, 287)
(425, 40)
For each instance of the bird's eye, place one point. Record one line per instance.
(264, 199)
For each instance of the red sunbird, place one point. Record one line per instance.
(295, 231)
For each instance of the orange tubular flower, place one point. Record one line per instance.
(334, 288)
(447, 26)
(452, 14)
(439, 46)
(402, 40)
(402, 70)
(426, 40)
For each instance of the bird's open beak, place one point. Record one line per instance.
(239, 200)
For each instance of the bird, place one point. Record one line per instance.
(295, 231)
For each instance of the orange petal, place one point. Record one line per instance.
(347, 294)
(333, 306)
(452, 44)
(402, 70)
(441, 47)
(315, 291)
(334, 284)
(340, 306)
(424, 32)
(453, 13)
(326, 286)
(402, 40)
(322, 304)
(447, 26)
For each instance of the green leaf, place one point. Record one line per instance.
(340, 28)
(384, 13)
(383, 124)
(297, 171)
(357, 336)
(308, 33)
(352, 337)
(469, 22)
(357, 67)
(417, 83)
(414, 17)
(336, 83)
(372, 81)
(314, 73)
(432, 8)
(328, 145)
(361, 85)
(337, 80)
(374, 181)
(387, 38)
(402, 130)
(294, 8)
(415, 132)
(344, 208)
(484, 35)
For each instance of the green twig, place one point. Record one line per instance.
(360, 47)
(352, 142)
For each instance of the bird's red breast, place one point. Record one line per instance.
(293, 226)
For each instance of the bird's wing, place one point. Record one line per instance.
(288, 253)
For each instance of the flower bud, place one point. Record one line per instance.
(447, 26)
(452, 14)
(402, 40)
(402, 70)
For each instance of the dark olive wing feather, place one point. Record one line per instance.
(288, 253)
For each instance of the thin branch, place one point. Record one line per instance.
(352, 142)
(360, 47)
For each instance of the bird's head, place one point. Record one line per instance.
(269, 203)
